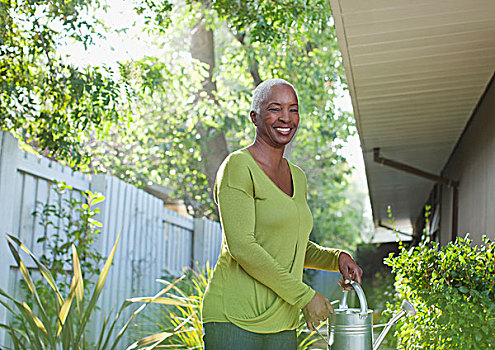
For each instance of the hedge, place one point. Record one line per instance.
(453, 290)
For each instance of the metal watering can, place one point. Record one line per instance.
(352, 329)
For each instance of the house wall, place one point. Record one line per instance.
(473, 164)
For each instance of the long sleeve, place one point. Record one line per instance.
(321, 258)
(235, 197)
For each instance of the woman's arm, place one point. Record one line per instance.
(321, 258)
(329, 259)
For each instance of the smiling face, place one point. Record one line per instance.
(278, 118)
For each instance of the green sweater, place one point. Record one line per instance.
(257, 281)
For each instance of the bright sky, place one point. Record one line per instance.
(128, 42)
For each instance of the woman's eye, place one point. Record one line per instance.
(274, 109)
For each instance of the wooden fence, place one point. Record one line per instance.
(154, 239)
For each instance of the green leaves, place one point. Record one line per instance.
(45, 102)
(175, 117)
(453, 288)
(270, 21)
(70, 221)
(38, 331)
(178, 320)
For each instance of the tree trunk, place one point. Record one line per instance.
(213, 142)
(203, 49)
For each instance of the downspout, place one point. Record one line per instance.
(415, 171)
(455, 198)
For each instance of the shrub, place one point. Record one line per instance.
(38, 331)
(71, 222)
(453, 290)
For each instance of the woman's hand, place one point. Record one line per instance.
(350, 271)
(316, 310)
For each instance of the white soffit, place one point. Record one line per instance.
(416, 70)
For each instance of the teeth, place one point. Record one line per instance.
(283, 129)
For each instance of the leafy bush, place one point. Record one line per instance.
(453, 290)
(72, 221)
(68, 222)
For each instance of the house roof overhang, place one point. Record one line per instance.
(415, 72)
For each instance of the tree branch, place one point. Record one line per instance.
(253, 63)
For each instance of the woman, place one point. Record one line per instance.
(256, 291)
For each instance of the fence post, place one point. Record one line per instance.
(198, 243)
(9, 154)
(98, 184)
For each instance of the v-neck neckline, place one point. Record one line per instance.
(270, 180)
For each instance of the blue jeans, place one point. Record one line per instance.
(227, 336)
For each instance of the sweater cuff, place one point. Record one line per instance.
(306, 298)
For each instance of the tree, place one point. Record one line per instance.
(188, 104)
(43, 100)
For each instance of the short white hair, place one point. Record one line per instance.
(261, 92)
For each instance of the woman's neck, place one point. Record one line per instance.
(265, 153)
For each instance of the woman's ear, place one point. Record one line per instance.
(253, 117)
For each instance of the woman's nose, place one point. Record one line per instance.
(284, 116)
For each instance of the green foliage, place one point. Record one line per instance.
(43, 100)
(174, 117)
(453, 290)
(156, 12)
(176, 322)
(74, 308)
(71, 221)
(271, 21)
(67, 331)
(70, 113)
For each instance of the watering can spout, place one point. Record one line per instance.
(407, 309)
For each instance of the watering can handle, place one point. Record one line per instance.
(361, 296)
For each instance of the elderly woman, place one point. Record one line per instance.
(256, 292)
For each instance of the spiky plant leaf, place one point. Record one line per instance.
(29, 282)
(142, 307)
(97, 291)
(44, 271)
(79, 278)
(64, 310)
(154, 339)
(161, 300)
